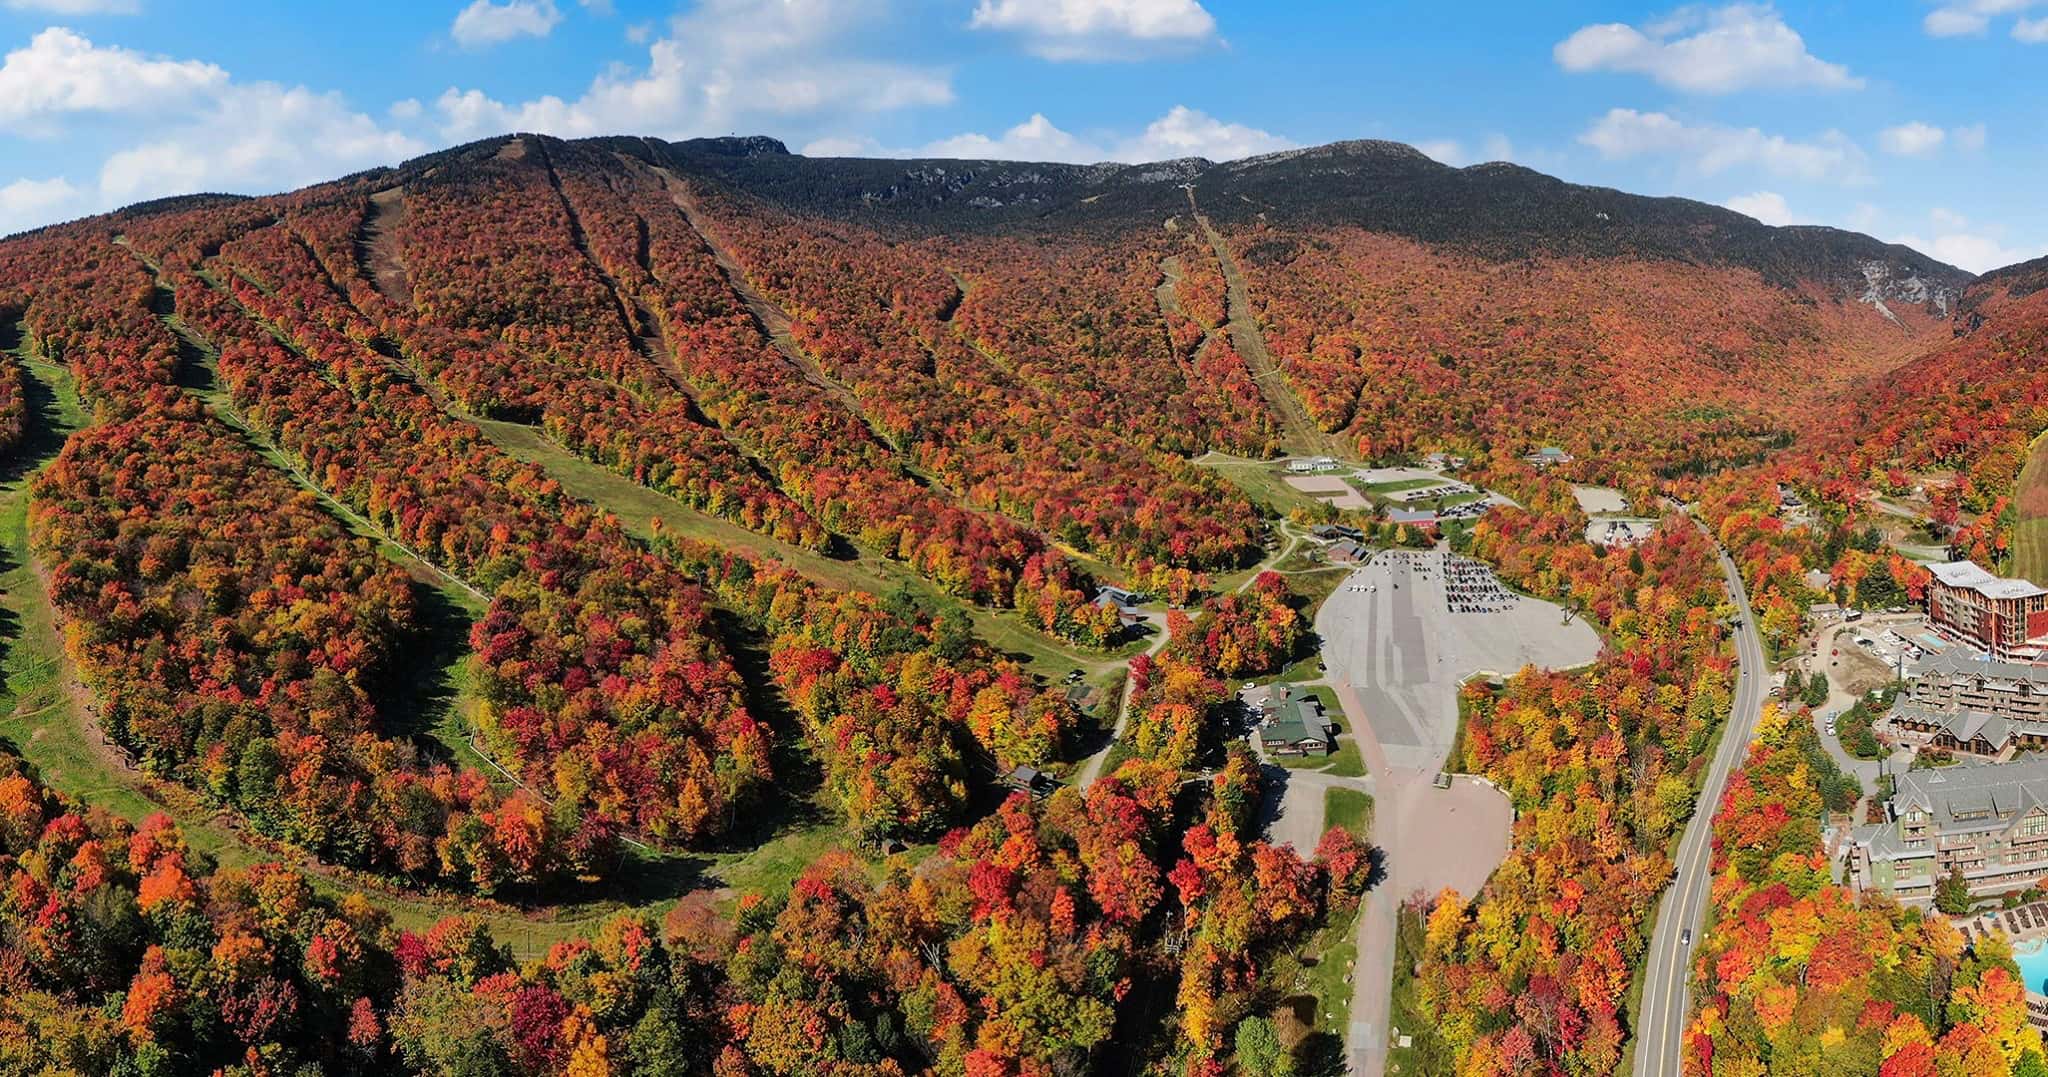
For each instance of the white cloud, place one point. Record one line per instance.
(1036, 139)
(256, 136)
(1766, 206)
(1970, 17)
(844, 146)
(1184, 132)
(1709, 149)
(60, 73)
(1974, 252)
(189, 126)
(1444, 151)
(1097, 29)
(1450, 151)
(2031, 31)
(483, 23)
(1917, 139)
(27, 203)
(1913, 139)
(76, 7)
(728, 65)
(1722, 50)
(1181, 132)
(1978, 250)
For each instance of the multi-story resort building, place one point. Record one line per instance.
(2006, 619)
(1990, 821)
(1960, 704)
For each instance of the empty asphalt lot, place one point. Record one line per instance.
(1405, 653)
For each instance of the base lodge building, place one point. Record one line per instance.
(1990, 822)
(1960, 704)
(2006, 619)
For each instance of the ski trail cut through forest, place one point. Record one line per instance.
(1170, 308)
(1301, 433)
(774, 324)
(638, 322)
(773, 321)
(381, 247)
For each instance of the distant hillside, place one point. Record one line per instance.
(1500, 211)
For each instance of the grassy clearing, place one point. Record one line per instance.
(637, 507)
(1346, 762)
(1262, 481)
(1425, 1054)
(1350, 809)
(2030, 515)
(1396, 486)
(1315, 588)
(1308, 667)
(1319, 975)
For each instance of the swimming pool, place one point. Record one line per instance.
(2033, 958)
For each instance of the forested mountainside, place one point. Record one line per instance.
(571, 606)
(1410, 304)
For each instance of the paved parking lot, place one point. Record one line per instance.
(1389, 633)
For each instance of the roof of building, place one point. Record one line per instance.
(1027, 777)
(1296, 720)
(1119, 595)
(1957, 663)
(1971, 576)
(1818, 579)
(1288, 712)
(1412, 516)
(1882, 842)
(1347, 550)
(1962, 724)
(1965, 798)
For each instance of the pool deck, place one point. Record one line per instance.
(2020, 926)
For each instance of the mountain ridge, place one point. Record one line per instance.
(1499, 210)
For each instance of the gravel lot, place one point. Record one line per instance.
(1328, 488)
(1593, 499)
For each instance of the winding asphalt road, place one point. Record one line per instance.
(1660, 1027)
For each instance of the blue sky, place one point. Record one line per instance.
(1920, 122)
